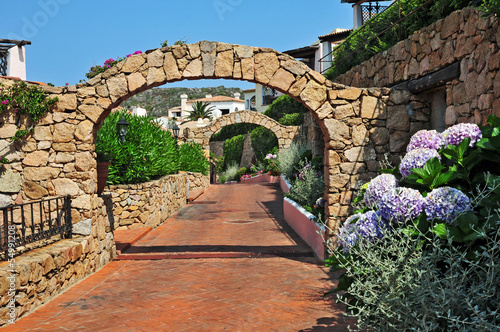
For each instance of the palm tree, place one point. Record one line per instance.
(200, 110)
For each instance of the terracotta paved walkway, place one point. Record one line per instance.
(156, 285)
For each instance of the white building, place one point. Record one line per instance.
(13, 58)
(139, 111)
(221, 105)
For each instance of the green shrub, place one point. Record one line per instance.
(289, 158)
(149, 152)
(394, 285)
(192, 158)
(294, 119)
(233, 149)
(356, 50)
(230, 172)
(284, 105)
(230, 131)
(308, 187)
(263, 140)
(242, 171)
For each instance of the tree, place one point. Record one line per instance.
(200, 110)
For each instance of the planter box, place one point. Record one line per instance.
(300, 220)
(285, 185)
(263, 178)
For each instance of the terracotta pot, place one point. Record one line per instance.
(102, 175)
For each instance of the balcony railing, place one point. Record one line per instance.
(29, 223)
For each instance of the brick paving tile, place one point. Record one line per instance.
(204, 294)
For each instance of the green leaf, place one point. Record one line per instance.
(440, 230)
(444, 178)
(455, 233)
(467, 221)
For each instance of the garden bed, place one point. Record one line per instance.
(296, 216)
(302, 223)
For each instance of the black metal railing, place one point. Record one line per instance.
(27, 223)
(371, 10)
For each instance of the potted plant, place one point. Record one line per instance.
(103, 162)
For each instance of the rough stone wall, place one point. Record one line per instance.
(42, 274)
(463, 36)
(198, 181)
(147, 204)
(285, 134)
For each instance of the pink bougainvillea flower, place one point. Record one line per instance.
(129, 55)
(137, 52)
(5, 102)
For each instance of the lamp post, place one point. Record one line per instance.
(122, 127)
(175, 131)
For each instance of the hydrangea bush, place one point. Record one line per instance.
(442, 201)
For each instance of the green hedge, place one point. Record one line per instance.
(233, 130)
(149, 152)
(233, 149)
(192, 158)
(263, 141)
(284, 105)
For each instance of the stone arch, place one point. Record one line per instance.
(359, 125)
(284, 134)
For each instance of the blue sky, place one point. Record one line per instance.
(70, 36)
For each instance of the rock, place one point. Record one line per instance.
(36, 158)
(397, 118)
(337, 130)
(64, 187)
(133, 63)
(155, 59)
(82, 202)
(8, 130)
(40, 173)
(282, 80)
(84, 161)
(266, 64)
(373, 108)
(193, 69)
(349, 93)
(83, 227)
(10, 182)
(313, 95)
(5, 200)
(224, 64)
(34, 191)
(117, 87)
(360, 154)
(379, 135)
(359, 135)
(135, 82)
(63, 132)
(170, 67)
(42, 133)
(66, 102)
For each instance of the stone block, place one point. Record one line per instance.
(133, 63)
(36, 158)
(136, 82)
(63, 187)
(373, 108)
(34, 191)
(397, 118)
(313, 95)
(10, 182)
(266, 64)
(360, 154)
(193, 69)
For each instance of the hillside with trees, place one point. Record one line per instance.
(158, 100)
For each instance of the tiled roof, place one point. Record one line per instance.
(217, 99)
(340, 33)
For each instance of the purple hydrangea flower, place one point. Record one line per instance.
(401, 204)
(378, 187)
(446, 203)
(457, 133)
(348, 235)
(368, 226)
(416, 159)
(430, 139)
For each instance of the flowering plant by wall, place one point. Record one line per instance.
(98, 69)
(444, 194)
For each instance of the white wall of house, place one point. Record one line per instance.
(16, 63)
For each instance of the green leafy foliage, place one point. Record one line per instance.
(284, 105)
(233, 130)
(201, 110)
(242, 171)
(233, 149)
(370, 39)
(294, 119)
(148, 153)
(28, 101)
(192, 158)
(263, 140)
